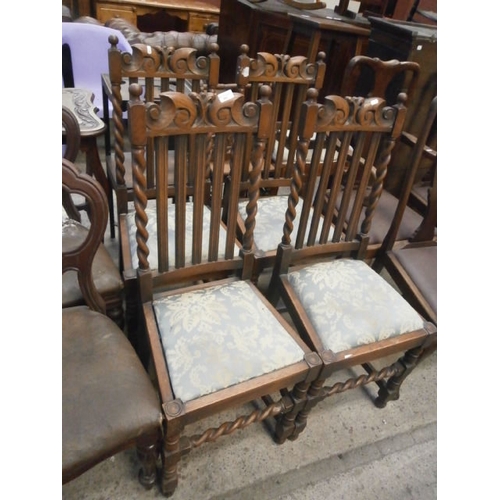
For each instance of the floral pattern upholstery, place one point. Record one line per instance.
(153, 236)
(350, 305)
(219, 336)
(269, 222)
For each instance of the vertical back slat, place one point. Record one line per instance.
(197, 167)
(162, 203)
(220, 148)
(370, 152)
(335, 191)
(180, 197)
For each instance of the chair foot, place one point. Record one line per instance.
(147, 453)
(390, 390)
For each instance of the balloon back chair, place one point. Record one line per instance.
(109, 403)
(107, 278)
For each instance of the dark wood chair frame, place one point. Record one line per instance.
(113, 295)
(371, 77)
(347, 116)
(210, 125)
(158, 69)
(425, 235)
(289, 78)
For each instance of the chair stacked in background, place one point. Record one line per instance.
(342, 308)
(289, 78)
(108, 401)
(158, 70)
(371, 77)
(216, 343)
(413, 266)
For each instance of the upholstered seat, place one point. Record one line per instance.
(350, 305)
(269, 222)
(97, 356)
(421, 265)
(227, 350)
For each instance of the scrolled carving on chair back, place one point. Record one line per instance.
(146, 60)
(205, 111)
(224, 123)
(80, 258)
(278, 67)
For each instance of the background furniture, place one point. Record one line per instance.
(106, 276)
(414, 265)
(202, 42)
(108, 401)
(154, 15)
(88, 45)
(272, 26)
(371, 77)
(338, 39)
(405, 41)
(80, 101)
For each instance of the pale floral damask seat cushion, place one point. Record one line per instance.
(269, 221)
(153, 236)
(351, 305)
(220, 336)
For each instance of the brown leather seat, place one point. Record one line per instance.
(107, 397)
(109, 403)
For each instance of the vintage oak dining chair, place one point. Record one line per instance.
(107, 278)
(158, 69)
(109, 403)
(342, 308)
(215, 341)
(289, 77)
(413, 267)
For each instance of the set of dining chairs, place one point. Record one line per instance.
(244, 215)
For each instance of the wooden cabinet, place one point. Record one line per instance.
(105, 11)
(189, 15)
(405, 41)
(275, 27)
